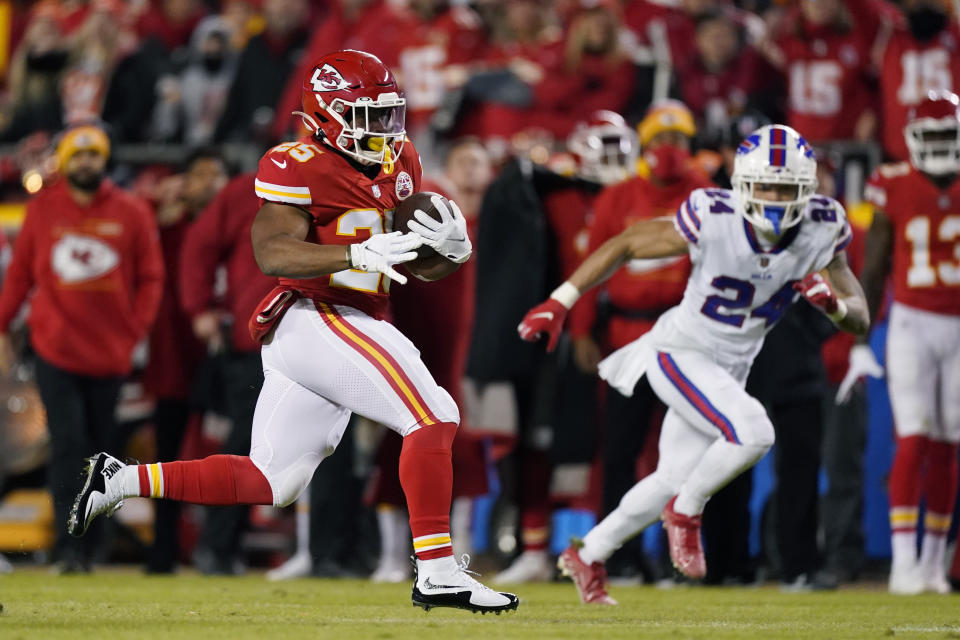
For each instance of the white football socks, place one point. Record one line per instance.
(129, 478)
(444, 566)
(904, 544)
(639, 508)
(933, 552)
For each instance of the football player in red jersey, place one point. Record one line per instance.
(324, 230)
(917, 222)
(922, 55)
(825, 56)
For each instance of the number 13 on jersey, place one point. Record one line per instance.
(923, 272)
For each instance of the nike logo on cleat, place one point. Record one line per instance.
(111, 469)
(429, 585)
(282, 165)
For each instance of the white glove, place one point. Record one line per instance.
(862, 363)
(381, 251)
(448, 237)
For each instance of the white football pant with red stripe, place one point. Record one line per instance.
(323, 363)
(713, 431)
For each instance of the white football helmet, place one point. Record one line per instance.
(774, 154)
(605, 147)
(933, 134)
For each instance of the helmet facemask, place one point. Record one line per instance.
(606, 154)
(777, 160)
(934, 145)
(774, 216)
(371, 131)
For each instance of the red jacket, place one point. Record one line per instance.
(221, 235)
(175, 352)
(97, 277)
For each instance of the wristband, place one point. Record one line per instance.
(350, 256)
(840, 313)
(566, 294)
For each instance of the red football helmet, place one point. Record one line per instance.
(351, 100)
(605, 147)
(933, 134)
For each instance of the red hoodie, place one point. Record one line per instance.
(97, 277)
(221, 235)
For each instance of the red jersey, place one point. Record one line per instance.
(642, 289)
(659, 26)
(569, 213)
(221, 236)
(714, 95)
(346, 204)
(97, 277)
(828, 82)
(926, 229)
(908, 70)
(564, 95)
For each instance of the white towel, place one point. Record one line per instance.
(623, 368)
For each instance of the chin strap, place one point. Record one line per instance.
(308, 120)
(773, 217)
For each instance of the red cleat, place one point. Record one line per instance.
(591, 580)
(686, 550)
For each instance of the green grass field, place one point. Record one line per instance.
(124, 604)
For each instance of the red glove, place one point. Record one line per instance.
(547, 317)
(817, 291)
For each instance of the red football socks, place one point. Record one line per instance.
(535, 474)
(906, 482)
(215, 480)
(426, 474)
(940, 486)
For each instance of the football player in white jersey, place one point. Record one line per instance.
(755, 249)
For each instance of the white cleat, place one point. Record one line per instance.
(390, 571)
(298, 565)
(459, 590)
(935, 580)
(906, 579)
(102, 493)
(529, 566)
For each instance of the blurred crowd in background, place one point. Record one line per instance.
(553, 123)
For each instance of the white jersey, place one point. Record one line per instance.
(738, 290)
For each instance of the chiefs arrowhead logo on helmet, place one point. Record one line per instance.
(351, 102)
(326, 78)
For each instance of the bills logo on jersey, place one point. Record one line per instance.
(78, 258)
(404, 185)
(326, 78)
(749, 143)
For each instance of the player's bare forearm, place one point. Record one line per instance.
(876, 263)
(847, 288)
(656, 238)
(278, 235)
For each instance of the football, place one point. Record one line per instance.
(429, 264)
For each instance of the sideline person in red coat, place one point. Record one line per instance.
(220, 236)
(175, 352)
(90, 254)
